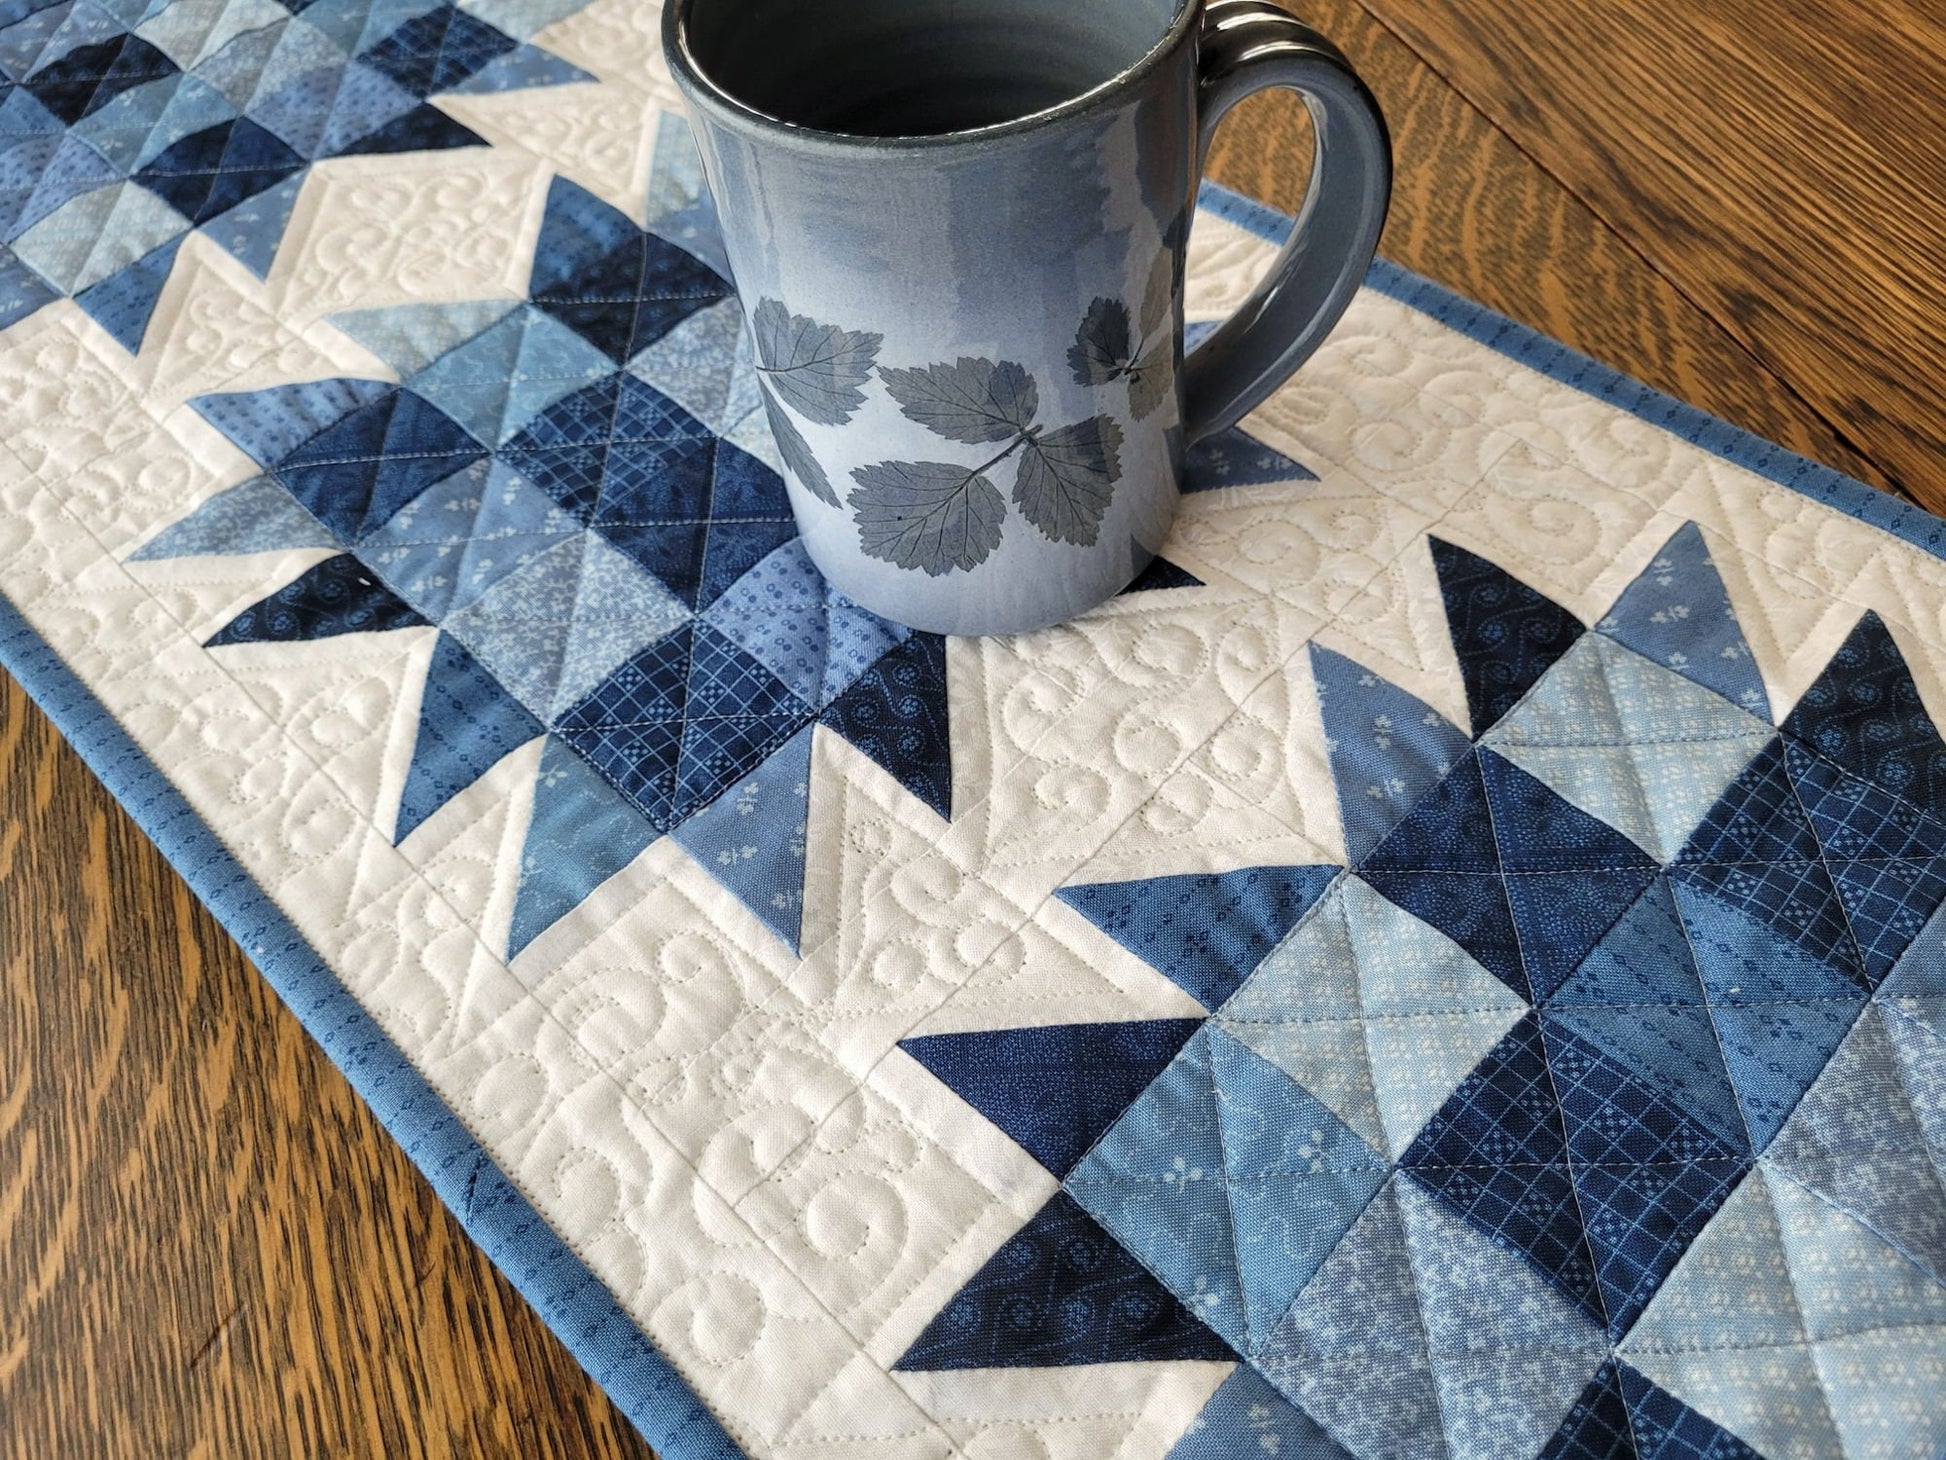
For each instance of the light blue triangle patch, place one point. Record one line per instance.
(257, 516)
(1678, 614)
(123, 302)
(1387, 748)
(409, 337)
(500, 379)
(1774, 1052)
(1922, 1060)
(1352, 1349)
(1157, 1181)
(1855, 1141)
(1298, 1178)
(583, 832)
(1510, 1355)
(522, 18)
(1245, 1417)
(523, 67)
(1847, 1278)
(1916, 986)
(270, 424)
(467, 725)
(251, 231)
(751, 839)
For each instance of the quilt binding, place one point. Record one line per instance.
(570, 1299)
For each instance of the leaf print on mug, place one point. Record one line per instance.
(1105, 351)
(1100, 352)
(975, 401)
(819, 370)
(929, 515)
(1066, 477)
(795, 450)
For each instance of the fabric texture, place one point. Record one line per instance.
(1451, 962)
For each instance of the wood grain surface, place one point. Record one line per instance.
(208, 1246)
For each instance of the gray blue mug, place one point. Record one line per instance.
(957, 228)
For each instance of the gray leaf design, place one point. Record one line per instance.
(1150, 378)
(1159, 295)
(929, 515)
(817, 369)
(1066, 478)
(796, 452)
(1101, 349)
(971, 400)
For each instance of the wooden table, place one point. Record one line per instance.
(208, 1245)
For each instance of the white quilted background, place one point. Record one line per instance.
(726, 1134)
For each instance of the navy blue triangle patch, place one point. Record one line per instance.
(338, 596)
(355, 474)
(1496, 1153)
(1758, 818)
(1667, 1429)
(1864, 713)
(1641, 1219)
(1449, 830)
(896, 713)
(1206, 932)
(1161, 573)
(1569, 876)
(467, 724)
(1854, 818)
(1061, 1291)
(423, 129)
(1054, 1090)
(1505, 634)
(1232, 458)
(1596, 1425)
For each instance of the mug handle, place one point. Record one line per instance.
(1247, 46)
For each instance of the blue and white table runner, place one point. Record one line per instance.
(1452, 962)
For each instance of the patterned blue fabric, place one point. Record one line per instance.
(1506, 634)
(337, 596)
(1060, 1291)
(1056, 1089)
(1205, 931)
(1231, 1182)
(1246, 1417)
(467, 725)
(1676, 1025)
(1229, 458)
(1387, 748)
(135, 140)
(1678, 614)
(1161, 573)
(1864, 714)
(565, 522)
(1667, 1429)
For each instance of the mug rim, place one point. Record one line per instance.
(701, 87)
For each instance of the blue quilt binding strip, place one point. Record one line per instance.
(570, 1299)
(1559, 362)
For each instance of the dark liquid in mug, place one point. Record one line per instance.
(930, 110)
(918, 68)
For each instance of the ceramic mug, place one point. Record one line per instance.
(957, 229)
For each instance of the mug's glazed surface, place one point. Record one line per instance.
(970, 345)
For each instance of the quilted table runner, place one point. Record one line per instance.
(1451, 962)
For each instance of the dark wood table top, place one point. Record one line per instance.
(208, 1246)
